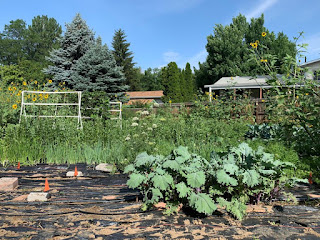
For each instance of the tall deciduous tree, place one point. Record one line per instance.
(229, 49)
(77, 40)
(97, 70)
(42, 36)
(12, 42)
(124, 58)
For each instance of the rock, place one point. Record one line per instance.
(71, 174)
(38, 197)
(20, 198)
(8, 183)
(105, 167)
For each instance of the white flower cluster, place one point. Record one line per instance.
(135, 119)
(134, 124)
(154, 125)
(145, 113)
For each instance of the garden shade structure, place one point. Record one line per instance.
(246, 82)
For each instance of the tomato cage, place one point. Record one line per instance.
(60, 97)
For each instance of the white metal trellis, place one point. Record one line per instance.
(116, 110)
(24, 104)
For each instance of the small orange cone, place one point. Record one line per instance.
(18, 167)
(310, 178)
(75, 171)
(46, 186)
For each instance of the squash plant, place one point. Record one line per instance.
(230, 179)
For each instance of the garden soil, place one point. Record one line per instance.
(101, 206)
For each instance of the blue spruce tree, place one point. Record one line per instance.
(97, 71)
(77, 40)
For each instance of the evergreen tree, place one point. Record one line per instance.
(190, 83)
(124, 58)
(77, 40)
(96, 70)
(171, 81)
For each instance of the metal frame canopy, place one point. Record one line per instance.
(245, 82)
(78, 104)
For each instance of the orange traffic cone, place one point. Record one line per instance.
(310, 178)
(18, 167)
(75, 171)
(46, 186)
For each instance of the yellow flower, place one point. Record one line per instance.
(18, 101)
(307, 94)
(14, 88)
(264, 60)
(46, 96)
(63, 83)
(297, 97)
(254, 45)
(257, 41)
(36, 82)
(263, 34)
(24, 84)
(50, 81)
(18, 94)
(9, 88)
(262, 100)
(207, 93)
(34, 99)
(14, 106)
(170, 101)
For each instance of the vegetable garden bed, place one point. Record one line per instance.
(100, 206)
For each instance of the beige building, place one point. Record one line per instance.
(313, 69)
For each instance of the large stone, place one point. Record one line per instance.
(8, 183)
(71, 174)
(105, 167)
(38, 197)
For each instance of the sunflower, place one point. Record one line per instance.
(14, 106)
(254, 45)
(257, 41)
(36, 82)
(24, 83)
(34, 99)
(50, 81)
(46, 96)
(263, 34)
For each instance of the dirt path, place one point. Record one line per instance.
(100, 206)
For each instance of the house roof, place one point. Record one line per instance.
(140, 101)
(306, 64)
(243, 82)
(240, 82)
(145, 94)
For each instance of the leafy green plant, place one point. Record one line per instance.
(178, 178)
(230, 179)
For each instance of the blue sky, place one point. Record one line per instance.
(161, 31)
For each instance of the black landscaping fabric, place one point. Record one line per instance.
(101, 206)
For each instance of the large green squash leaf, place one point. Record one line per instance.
(172, 164)
(156, 195)
(251, 178)
(182, 189)
(129, 168)
(135, 180)
(202, 203)
(143, 159)
(162, 181)
(196, 179)
(224, 178)
(231, 168)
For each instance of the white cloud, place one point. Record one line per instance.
(182, 61)
(194, 60)
(171, 57)
(261, 8)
